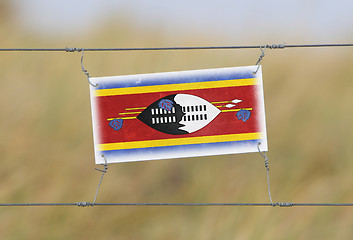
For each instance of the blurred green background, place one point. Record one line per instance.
(47, 145)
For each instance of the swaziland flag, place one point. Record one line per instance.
(178, 114)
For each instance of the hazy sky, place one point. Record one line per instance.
(319, 21)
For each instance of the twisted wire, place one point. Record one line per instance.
(82, 67)
(263, 154)
(103, 173)
(89, 204)
(269, 46)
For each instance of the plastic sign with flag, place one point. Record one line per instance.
(178, 114)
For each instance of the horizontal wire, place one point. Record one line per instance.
(184, 204)
(35, 204)
(272, 46)
(84, 204)
(87, 204)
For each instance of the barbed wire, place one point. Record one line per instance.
(271, 46)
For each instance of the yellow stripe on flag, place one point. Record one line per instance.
(136, 108)
(109, 119)
(176, 87)
(236, 110)
(179, 141)
(127, 113)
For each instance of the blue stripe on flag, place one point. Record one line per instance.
(186, 149)
(170, 78)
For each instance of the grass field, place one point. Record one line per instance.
(47, 146)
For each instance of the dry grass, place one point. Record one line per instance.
(47, 149)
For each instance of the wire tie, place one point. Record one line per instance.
(105, 164)
(67, 49)
(103, 172)
(84, 204)
(84, 70)
(276, 46)
(273, 46)
(260, 58)
(263, 154)
(285, 204)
